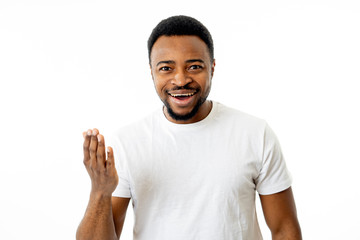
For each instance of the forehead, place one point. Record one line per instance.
(173, 47)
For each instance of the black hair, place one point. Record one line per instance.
(180, 26)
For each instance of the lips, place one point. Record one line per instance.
(182, 92)
(180, 95)
(183, 97)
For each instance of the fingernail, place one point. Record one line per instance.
(89, 132)
(94, 132)
(108, 149)
(98, 137)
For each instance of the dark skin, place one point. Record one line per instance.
(175, 61)
(280, 215)
(105, 215)
(180, 61)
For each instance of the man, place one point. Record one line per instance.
(192, 168)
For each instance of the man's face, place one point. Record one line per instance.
(182, 71)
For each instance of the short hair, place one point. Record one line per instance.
(179, 26)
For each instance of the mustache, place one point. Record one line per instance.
(186, 87)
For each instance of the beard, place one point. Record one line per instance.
(184, 117)
(187, 116)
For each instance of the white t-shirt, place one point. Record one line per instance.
(198, 181)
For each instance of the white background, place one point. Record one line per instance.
(66, 66)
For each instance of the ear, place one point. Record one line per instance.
(213, 67)
(152, 76)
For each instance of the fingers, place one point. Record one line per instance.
(94, 151)
(93, 147)
(102, 171)
(100, 154)
(86, 145)
(110, 163)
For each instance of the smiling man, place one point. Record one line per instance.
(182, 69)
(192, 168)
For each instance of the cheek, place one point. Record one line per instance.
(159, 84)
(206, 82)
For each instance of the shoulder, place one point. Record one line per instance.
(239, 119)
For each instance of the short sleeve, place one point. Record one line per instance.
(274, 176)
(123, 187)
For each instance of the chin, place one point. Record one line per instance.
(184, 115)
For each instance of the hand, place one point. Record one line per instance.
(104, 178)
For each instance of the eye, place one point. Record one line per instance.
(195, 67)
(165, 69)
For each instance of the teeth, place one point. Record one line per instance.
(182, 95)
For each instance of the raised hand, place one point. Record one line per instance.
(102, 172)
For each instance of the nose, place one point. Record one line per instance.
(181, 78)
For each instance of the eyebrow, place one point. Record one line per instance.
(187, 61)
(166, 62)
(194, 60)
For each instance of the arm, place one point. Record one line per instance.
(104, 216)
(119, 212)
(280, 215)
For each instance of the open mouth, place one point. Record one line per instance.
(182, 96)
